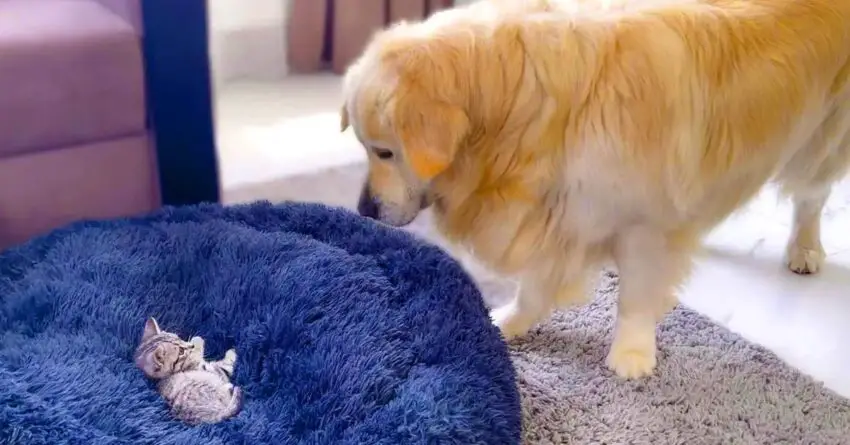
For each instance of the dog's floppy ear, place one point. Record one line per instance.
(430, 133)
(343, 118)
(427, 116)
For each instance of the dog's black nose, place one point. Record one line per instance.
(367, 206)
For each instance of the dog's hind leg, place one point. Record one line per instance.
(808, 180)
(804, 253)
(651, 265)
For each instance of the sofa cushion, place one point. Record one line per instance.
(70, 72)
(42, 191)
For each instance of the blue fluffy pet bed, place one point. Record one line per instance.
(347, 332)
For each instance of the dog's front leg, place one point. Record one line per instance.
(538, 295)
(805, 254)
(649, 273)
(535, 300)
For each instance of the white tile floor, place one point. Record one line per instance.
(268, 131)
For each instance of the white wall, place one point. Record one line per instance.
(247, 39)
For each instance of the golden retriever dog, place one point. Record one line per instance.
(551, 137)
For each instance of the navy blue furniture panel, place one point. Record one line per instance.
(180, 108)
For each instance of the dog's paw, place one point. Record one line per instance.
(805, 261)
(510, 321)
(631, 363)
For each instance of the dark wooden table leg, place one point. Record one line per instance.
(436, 5)
(355, 21)
(305, 35)
(410, 10)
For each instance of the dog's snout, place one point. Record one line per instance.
(367, 206)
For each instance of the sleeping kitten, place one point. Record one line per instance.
(197, 391)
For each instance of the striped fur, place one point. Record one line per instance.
(196, 390)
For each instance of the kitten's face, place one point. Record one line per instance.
(161, 353)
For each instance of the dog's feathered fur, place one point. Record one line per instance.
(552, 136)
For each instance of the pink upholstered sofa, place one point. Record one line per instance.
(73, 138)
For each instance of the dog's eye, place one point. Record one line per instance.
(383, 153)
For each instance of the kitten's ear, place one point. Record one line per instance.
(158, 357)
(151, 329)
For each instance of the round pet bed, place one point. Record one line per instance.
(347, 332)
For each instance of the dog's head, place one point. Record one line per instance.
(405, 98)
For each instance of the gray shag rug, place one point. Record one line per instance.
(711, 387)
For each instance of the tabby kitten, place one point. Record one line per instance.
(197, 391)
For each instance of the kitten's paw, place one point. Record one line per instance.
(198, 342)
(631, 363)
(230, 356)
(805, 261)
